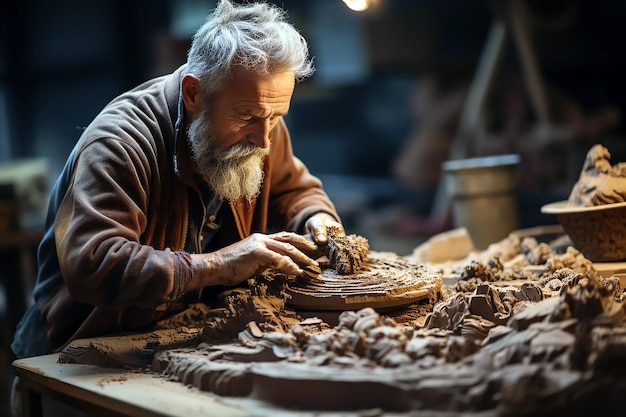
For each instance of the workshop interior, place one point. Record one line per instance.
(408, 100)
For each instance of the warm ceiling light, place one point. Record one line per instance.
(358, 5)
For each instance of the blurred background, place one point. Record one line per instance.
(400, 88)
(383, 108)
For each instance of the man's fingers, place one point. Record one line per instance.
(286, 265)
(319, 233)
(285, 245)
(299, 241)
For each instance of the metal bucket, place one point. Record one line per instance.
(482, 192)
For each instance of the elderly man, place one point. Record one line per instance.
(170, 191)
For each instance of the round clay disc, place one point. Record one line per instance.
(387, 280)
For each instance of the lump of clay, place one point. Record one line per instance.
(347, 254)
(599, 181)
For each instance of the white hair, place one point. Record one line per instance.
(256, 36)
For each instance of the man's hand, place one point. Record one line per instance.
(284, 252)
(321, 225)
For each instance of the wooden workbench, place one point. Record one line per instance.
(114, 392)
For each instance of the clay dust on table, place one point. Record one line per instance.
(499, 342)
(528, 328)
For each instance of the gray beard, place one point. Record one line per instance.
(232, 173)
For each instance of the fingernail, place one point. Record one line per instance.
(312, 271)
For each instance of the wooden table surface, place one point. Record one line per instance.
(114, 392)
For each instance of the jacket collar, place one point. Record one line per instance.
(181, 158)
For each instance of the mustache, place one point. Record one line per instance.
(243, 151)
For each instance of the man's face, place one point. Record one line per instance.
(230, 140)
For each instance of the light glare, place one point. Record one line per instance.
(357, 5)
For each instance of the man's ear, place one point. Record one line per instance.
(192, 95)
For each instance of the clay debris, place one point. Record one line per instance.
(529, 328)
(502, 340)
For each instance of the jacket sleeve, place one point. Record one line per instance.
(98, 230)
(296, 194)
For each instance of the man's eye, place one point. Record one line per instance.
(245, 118)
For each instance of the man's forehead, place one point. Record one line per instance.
(248, 88)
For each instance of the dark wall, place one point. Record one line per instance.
(62, 61)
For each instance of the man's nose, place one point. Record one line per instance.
(260, 136)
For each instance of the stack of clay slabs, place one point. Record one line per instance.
(388, 281)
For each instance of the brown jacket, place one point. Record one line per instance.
(124, 213)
